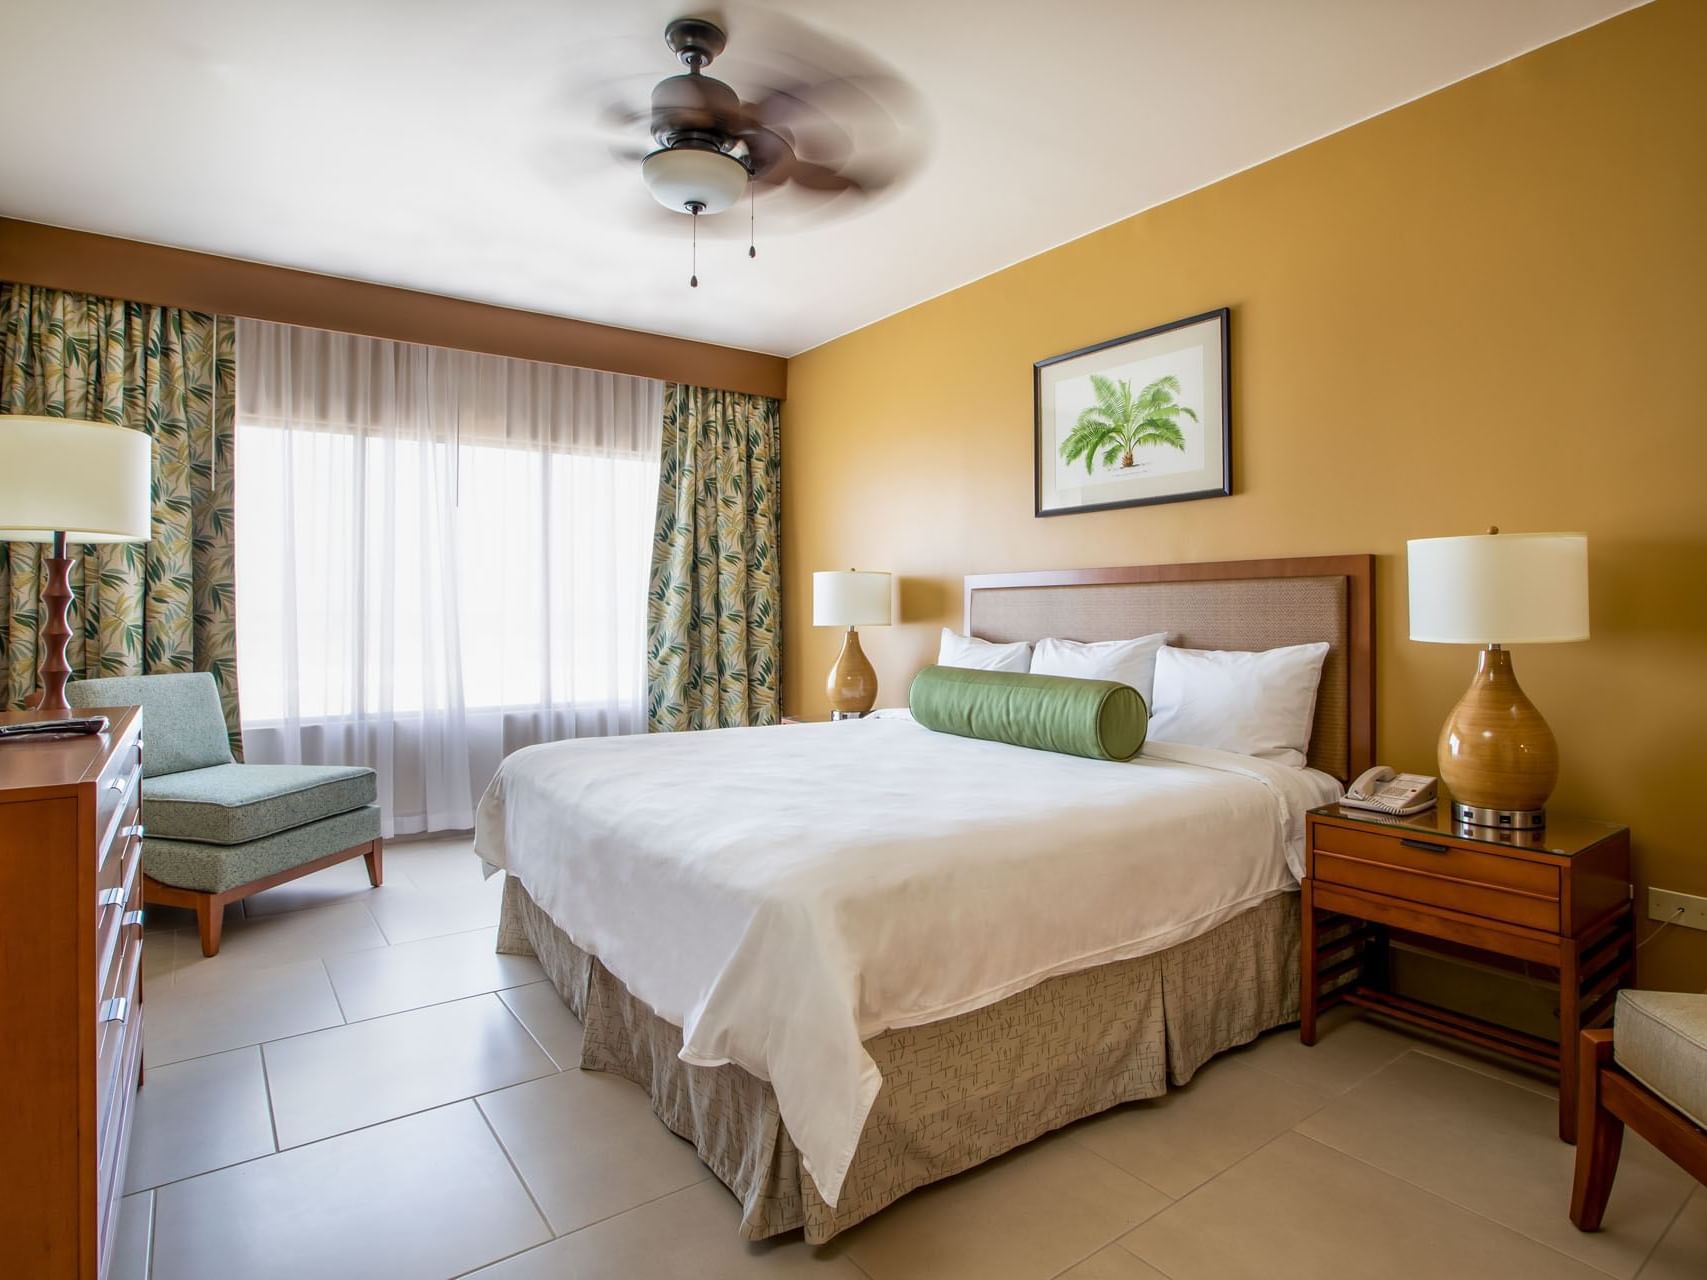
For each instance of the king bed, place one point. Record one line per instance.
(850, 959)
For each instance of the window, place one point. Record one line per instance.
(441, 556)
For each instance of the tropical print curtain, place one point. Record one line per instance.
(161, 606)
(714, 608)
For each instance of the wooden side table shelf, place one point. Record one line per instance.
(1558, 899)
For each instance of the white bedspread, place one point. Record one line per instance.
(783, 894)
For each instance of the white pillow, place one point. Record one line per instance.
(969, 651)
(1130, 662)
(1258, 704)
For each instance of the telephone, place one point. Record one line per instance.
(1384, 791)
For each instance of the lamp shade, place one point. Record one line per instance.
(848, 598)
(1499, 588)
(679, 177)
(88, 480)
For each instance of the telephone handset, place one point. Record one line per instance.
(1384, 791)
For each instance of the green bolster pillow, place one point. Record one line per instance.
(1096, 718)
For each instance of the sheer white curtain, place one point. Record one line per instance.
(441, 557)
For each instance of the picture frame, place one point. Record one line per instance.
(1137, 420)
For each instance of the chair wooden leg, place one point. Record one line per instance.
(375, 857)
(210, 920)
(1600, 1135)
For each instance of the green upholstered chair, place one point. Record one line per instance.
(217, 831)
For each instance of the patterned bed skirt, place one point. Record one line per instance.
(957, 1092)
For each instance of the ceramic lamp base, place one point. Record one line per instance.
(852, 686)
(1497, 755)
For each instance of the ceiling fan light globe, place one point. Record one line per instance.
(681, 176)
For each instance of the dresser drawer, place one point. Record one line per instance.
(118, 808)
(113, 1142)
(119, 893)
(1439, 874)
(118, 1015)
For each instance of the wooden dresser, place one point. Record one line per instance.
(70, 992)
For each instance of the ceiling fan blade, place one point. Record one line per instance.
(769, 155)
(817, 177)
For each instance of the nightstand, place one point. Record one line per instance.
(1557, 899)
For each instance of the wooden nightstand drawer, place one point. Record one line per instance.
(1438, 873)
(1438, 858)
(1439, 889)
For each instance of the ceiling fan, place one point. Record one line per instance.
(837, 126)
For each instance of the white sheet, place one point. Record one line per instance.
(783, 894)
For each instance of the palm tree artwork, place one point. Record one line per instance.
(1119, 424)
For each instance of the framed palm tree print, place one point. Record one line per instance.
(1136, 420)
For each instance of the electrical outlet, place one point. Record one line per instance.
(1663, 904)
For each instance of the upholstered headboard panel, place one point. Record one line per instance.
(1244, 604)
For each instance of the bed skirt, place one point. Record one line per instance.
(955, 1093)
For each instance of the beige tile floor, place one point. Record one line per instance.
(359, 1087)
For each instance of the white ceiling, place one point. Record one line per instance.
(445, 145)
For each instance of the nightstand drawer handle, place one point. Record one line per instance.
(1425, 846)
(116, 1009)
(132, 920)
(114, 897)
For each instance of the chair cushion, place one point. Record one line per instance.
(214, 868)
(1660, 1037)
(182, 724)
(234, 803)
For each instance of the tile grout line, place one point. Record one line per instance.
(330, 1137)
(336, 999)
(376, 920)
(267, 1086)
(515, 1169)
(1250, 1155)
(528, 1031)
(708, 1177)
(1159, 1270)
(1111, 1164)
(1648, 1257)
(355, 1022)
(1412, 1047)
(1493, 1222)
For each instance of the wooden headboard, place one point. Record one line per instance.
(1238, 604)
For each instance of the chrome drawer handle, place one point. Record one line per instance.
(118, 784)
(134, 829)
(1425, 845)
(114, 897)
(116, 1009)
(131, 918)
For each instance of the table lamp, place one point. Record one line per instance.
(1496, 753)
(849, 598)
(63, 480)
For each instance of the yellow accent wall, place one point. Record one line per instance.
(1486, 307)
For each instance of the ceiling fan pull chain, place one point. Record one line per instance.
(693, 280)
(752, 220)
